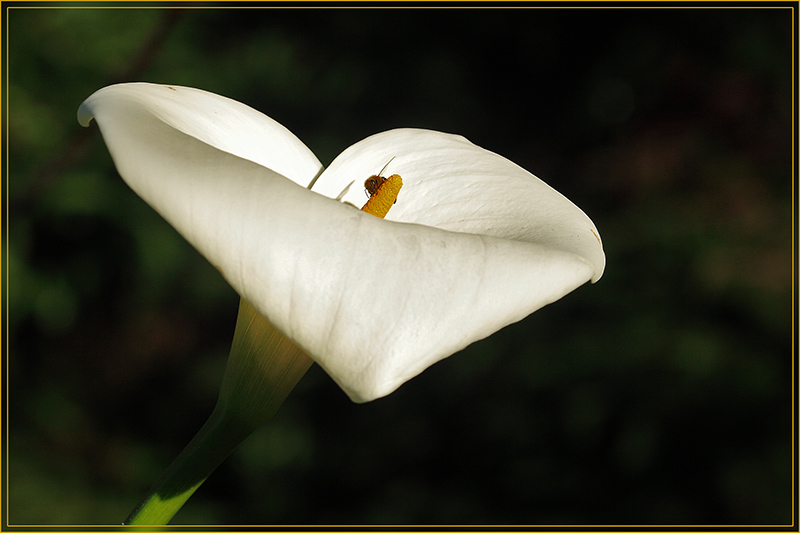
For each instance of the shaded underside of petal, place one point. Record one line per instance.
(452, 184)
(374, 302)
(221, 122)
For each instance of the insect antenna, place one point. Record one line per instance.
(384, 166)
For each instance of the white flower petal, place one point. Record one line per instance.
(221, 122)
(452, 184)
(374, 302)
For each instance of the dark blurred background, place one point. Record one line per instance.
(660, 395)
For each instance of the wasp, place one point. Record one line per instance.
(373, 183)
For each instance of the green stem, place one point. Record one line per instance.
(263, 368)
(218, 437)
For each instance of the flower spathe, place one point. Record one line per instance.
(473, 243)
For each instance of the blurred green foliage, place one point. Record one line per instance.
(660, 395)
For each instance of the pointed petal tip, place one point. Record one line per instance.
(219, 121)
(84, 115)
(597, 275)
(368, 392)
(599, 263)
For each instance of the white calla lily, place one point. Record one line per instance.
(473, 243)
